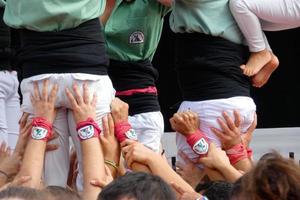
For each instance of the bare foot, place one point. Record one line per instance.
(256, 62)
(264, 74)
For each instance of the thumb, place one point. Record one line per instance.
(97, 183)
(206, 161)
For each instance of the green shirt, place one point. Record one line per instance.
(212, 17)
(51, 15)
(2, 3)
(133, 29)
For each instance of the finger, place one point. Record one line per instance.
(105, 126)
(53, 94)
(71, 99)
(206, 161)
(177, 188)
(229, 121)
(224, 126)
(26, 130)
(111, 124)
(23, 119)
(51, 147)
(237, 118)
(172, 122)
(45, 90)
(98, 183)
(220, 134)
(186, 159)
(20, 180)
(32, 100)
(86, 93)
(253, 125)
(36, 92)
(127, 143)
(94, 100)
(179, 165)
(77, 94)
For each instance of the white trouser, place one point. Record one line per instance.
(253, 16)
(57, 162)
(149, 128)
(9, 108)
(209, 111)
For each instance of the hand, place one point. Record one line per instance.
(216, 158)
(119, 110)
(24, 120)
(185, 195)
(103, 183)
(247, 137)
(44, 104)
(82, 105)
(25, 130)
(109, 143)
(230, 134)
(185, 123)
(136, 152)
(10, 164)
(189, 171)
(25, 135)
(18, 181)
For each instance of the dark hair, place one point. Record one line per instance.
(61, 193)
(140, 186)
(219, 190)
(274, 177)
(22, 193)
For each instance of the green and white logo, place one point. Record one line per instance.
(130, 134)
(38, 133)
(86, 132)
(201, 146)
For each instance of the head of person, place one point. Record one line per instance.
(137, 186)
(274, 177)
(215, 190)
(22, 193)
(61, 193)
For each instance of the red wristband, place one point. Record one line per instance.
(87, 129)
(41, 129)
(198, 142)
(123, 131)
(237, 153)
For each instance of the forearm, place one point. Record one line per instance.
(244, 165)
(93, 167)
(214, 175)
(138, 167)
(33, 162)
(230, 173)
(161, 168)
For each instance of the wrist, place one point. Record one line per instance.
(198, 142)
(87, 129)
(41, 129)
(123, 131)
(237, 153)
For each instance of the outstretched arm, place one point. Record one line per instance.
(84, 111)
(44, 115)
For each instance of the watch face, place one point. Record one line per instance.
(130, 134)
(38, 133)
(201, 146)
(86, 132)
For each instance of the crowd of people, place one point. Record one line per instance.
(90, 126)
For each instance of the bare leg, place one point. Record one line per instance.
(256, 62)
(264, 74)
